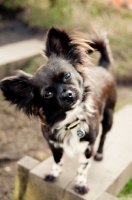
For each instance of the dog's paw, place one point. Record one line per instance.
(50, 178)
(98, 157)
(80, 189)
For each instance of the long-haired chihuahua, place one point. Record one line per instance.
(70, 97)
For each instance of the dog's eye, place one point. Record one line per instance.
(67, 75)
(48, 95)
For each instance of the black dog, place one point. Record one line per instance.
(69, 97)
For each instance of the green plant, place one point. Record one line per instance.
(127, 190)
(33, 64)
(56, 14)
(122, 103)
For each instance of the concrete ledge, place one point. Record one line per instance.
(51, 191)
(37, 188)
(15, 55)
(23, 167)
(106, 196)
(20, 50)
(121, 180)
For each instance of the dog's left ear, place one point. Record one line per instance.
(18, 90)
(57, 42)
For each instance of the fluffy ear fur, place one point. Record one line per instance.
(57, 42)
(74, 47)
(18, 90)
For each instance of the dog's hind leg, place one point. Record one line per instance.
(57, 166)
(106, 126)
(82, 171)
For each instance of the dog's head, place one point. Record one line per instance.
(56, 87)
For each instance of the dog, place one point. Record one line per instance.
(70, 97)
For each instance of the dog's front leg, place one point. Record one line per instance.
(57, 165)
(82, 171)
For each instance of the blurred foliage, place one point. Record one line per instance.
(14, 3)
(34, 63)
(84, 15)
(42, 13)
(127, 190)
(55, 14)
(122, 102)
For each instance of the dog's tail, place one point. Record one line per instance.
(101, 44)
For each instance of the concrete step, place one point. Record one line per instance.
(106, 196)
(15, 55)
(105, 179)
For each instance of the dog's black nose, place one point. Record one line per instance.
(67, 94)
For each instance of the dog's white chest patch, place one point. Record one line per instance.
(71, 138)
(72, 145)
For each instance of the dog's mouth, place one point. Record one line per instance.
(72, 102)
(69, 103)
(69, 98)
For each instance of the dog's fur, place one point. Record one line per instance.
(65, 89)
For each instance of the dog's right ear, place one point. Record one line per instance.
(75, 47)
(18, 90)
(57, 42)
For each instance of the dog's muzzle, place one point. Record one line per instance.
(68, 98)
(67, 95)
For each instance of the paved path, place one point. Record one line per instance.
(16, 55)
(18, 51)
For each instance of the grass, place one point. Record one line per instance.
(55, 14)
(127, 191)
(12, 196)
(122, 103)
(34, 64)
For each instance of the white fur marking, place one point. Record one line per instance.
(56, 169)
(78, 102)
(70, 116)
(71, 142)
(81, 178)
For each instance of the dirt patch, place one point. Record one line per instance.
(19, 136)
